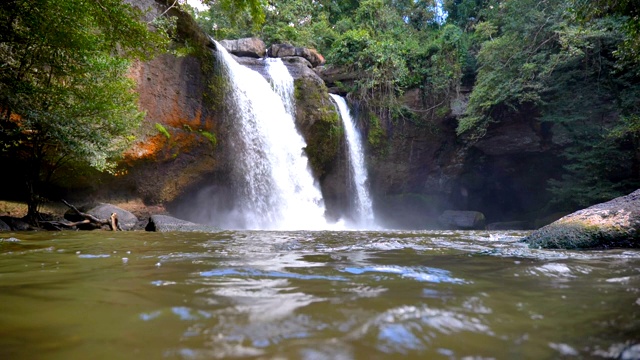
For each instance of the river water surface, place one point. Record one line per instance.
(313, 295)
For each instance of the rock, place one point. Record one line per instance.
(286, 50)
(165, 223)
(102, 211)
(16, 224)
(466, 220)
(333, 75)
(509, 225)
(615, 223)
(4, 226)
(515, 137)
(250, 47)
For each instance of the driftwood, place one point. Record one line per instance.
(112, 221)
(59, 225)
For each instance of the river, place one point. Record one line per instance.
(313, 295)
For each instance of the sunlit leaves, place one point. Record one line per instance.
(65, 94)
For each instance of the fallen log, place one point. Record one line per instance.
(60, 225)
(112, 221)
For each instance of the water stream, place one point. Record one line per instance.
(276, 189)
(364, 216)
(313, 295)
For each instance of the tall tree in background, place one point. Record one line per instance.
(64, 92)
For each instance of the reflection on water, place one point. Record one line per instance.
(313, 295)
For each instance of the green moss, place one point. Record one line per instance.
(211, 137)
(573, 235)
(162, 130)
(319, 123)
(377, 136)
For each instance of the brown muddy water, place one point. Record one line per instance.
(313, 295)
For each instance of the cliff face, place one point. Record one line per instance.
(177, 144)
(426, 168)
(183, 147)
(417, 169)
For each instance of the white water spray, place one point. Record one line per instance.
(271, 174)
(364, 216)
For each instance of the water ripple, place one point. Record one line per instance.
(423, 273)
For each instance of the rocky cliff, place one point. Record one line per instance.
(418, 166)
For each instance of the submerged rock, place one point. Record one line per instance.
(165, 223)
(465, 220)
(615, 223)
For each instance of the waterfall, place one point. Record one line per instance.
(282, 83)
(274, 185)
(364, 216)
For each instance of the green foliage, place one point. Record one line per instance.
(628, 14)
(559, 61)
(376, 135)
(64, 92)
(162, 130)
(570, 64)
(515, 67)
(594, 173)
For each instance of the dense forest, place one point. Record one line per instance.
(574, 64)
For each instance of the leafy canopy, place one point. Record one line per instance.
(65, 95)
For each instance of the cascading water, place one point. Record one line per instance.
(364, 216)
(275, 188)
(282, 83)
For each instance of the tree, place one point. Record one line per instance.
(548, 59)
(627, 11)
(64, 92)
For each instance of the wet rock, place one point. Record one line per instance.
(102, 211)
(4, 226)
(465, 220)
(249, 47)
(615, 223)
(509, 225)
(286, 50)
(165, 223)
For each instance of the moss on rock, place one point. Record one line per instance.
(615, 223)
(319, 123)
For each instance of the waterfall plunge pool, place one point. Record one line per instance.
(313, 295)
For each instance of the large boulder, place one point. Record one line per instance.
(249, 47)
(4, 226)
(286, 50)
(615, 223)
(165, 223)
(466, 220)
(16, 224)
(103, 211)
